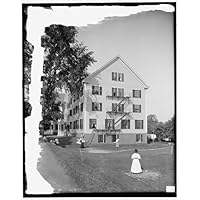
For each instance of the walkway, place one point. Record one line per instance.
(53, 173)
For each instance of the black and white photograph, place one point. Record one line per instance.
(99, 99)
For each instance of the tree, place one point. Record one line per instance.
(152, 123)
(65, 66)
(28, 50)
(170, 128)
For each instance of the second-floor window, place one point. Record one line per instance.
(138, 124)
(96, 106)
(137, 93)
(70, 113)
(97, 90)
(92, 123)
(136, 108)
(125, 124)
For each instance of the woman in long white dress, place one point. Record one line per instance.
(136, 166)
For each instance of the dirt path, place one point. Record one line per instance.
(53, 173)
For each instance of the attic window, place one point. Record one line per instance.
(121, 77)
(114, 76)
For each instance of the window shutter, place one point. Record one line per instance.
(92, 106)
(123, 92)
(140, 93)
(100, 90)
(92, 89)
(140, 108)
(122, 107)
(112, 75)
(122, 77)
(100, 106)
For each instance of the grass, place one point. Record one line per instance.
(103, 172)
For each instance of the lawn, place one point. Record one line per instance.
(105, 172)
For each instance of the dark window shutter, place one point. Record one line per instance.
(92, 106)
(122, 77)
(92, 89)
(100, 90)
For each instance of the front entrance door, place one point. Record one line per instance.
(113, 138)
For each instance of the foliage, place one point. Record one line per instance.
(28, 50)
(152, 123)
(162, 130)
(27, 109)
(65, 66)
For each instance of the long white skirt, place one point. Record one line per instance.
(136, 167)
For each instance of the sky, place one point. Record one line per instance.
(146, 42)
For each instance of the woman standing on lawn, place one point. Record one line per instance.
(136, 166)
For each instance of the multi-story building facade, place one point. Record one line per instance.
(111, 106)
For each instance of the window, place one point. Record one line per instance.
(100, 138)
(114, 92)
(96, 106)
(114, 76)
(137, 93)
(70, 113)
(117, 76)
(138, 124)
(121, 108)
(97, 90)
(92, 123)
(125, 124)
(121, 77)
(114, 107)
(74, 111)
(81, 123)
(117, 108)
(136, 108)
(109, 123)
(81, 107)
(120, 92)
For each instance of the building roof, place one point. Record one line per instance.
(87, 79)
